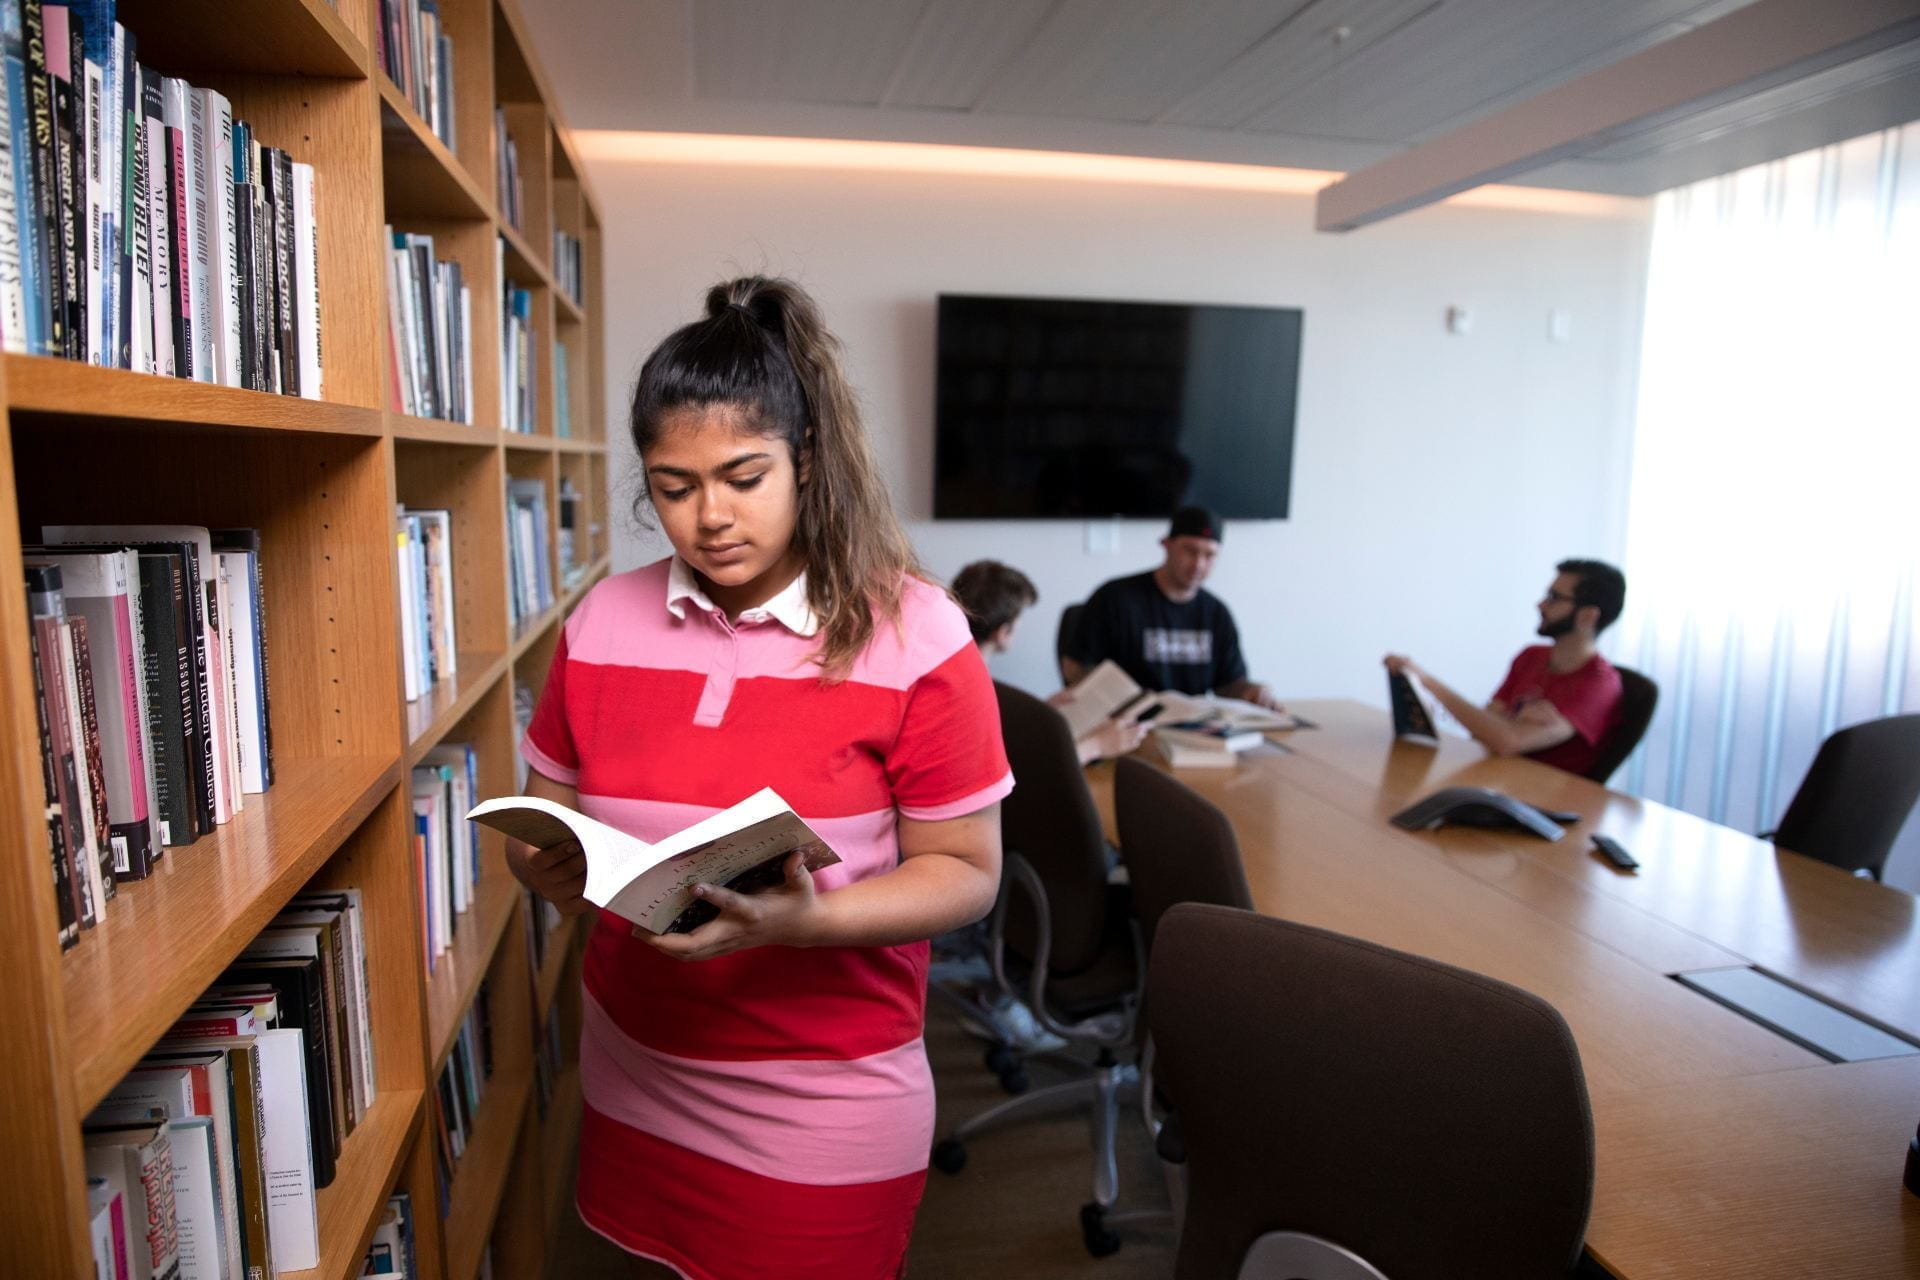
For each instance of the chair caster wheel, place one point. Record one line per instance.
(949, 1155)
(1100, 1242)
(1014, 1079)
(1000, 1059)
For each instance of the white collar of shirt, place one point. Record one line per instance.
(789, 608)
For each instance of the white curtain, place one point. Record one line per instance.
(1774, 519)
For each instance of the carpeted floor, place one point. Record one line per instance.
(1011, 1214)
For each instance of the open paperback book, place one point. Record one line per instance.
(1108, 693)
(743, 848)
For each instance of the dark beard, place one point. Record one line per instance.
(1554, 630)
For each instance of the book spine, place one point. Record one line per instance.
(106, 846)
(44, 213)
(145, 353)
(158, 1228)
(180, 214)
(68, 931)
(200, 222)
(47, 608)
(306, 280)
(70, 193)
(126, 114)
(13, 302)
(283, 271)
(226, 284)
(129, 573)
(159, 235)
(90, 84)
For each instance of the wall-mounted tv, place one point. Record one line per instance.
(1074, 408)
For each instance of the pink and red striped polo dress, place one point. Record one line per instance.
(769, 1112)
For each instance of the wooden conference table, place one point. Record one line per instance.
(1723, 1149)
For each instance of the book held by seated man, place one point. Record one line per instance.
(743, 848)
(1109, 693)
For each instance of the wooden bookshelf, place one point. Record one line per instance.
(320, 478)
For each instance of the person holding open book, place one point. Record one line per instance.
(1560, 701)
(994, 596)
(1163, 628)
(758, 1100)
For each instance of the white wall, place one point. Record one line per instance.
(1437, 478)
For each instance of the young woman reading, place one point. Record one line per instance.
(758, 1101)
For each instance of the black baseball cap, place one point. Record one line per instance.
(1195, 522)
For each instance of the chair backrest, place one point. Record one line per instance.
(1063, 638)
(1431, 1120)
(1856, 796)
(1050, 820)
(1177, 845)
(1638, 697)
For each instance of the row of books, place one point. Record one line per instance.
(417, 55)
(151, 696)
(214, 1145)
(529, 551)
(571, 543)
(429, 331)
(446, 846)
(423, 543)
(517, 363)
(506, 176)
(567, 268)
(457, 1095)
(391, 1255)
(141, 225)
(562, 393)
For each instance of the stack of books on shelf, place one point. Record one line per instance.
(208, 1154)
(512, 192)
(446, 846)
(524, 702)
(516, 359)
(429, 332)
(529, 559)
(391, 1255)
(562, 397)
(149, 657)
(418, 57)
(462, 1081)
(566, 266)
(423, 543)
(569, 545)
(141, 225)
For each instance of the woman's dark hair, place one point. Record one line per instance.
(1601, 585)
(993, 594)
(763, 350)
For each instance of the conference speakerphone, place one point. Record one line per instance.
(1480, 807)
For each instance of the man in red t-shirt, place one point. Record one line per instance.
(1561, 701)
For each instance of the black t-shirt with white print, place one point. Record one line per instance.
(1188, 647)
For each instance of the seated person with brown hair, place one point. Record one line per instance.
(1561, 701)
(994, 596)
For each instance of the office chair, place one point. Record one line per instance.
(1064, 637)
(1061, 936)
(1359, 1112)
(1178, 847)
(1638, 697)
(1856, 795)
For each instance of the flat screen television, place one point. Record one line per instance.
(1075, 408)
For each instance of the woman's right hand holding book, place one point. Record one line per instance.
(557, 873)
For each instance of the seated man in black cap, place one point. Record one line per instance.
(1162, 628)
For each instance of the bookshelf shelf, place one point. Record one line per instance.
(423, 178)
(436, 431)
(320, 481)
(430, 718)
(165, 938)
(458, 972)
(482, 1173)
(369, 1159)
(279, 37)
(67, 389)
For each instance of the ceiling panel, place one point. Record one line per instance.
(1292, 57)
(799, 50)
(1129, 59)
(1468, 54)
(959, 47)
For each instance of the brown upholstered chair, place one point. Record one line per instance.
(1856, 795)
(1178, 847)
(1061, 936)
(1638, 698)
(1349, 1106)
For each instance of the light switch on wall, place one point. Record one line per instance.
(1559, 325)
(1459, 320)
(1103, 537)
